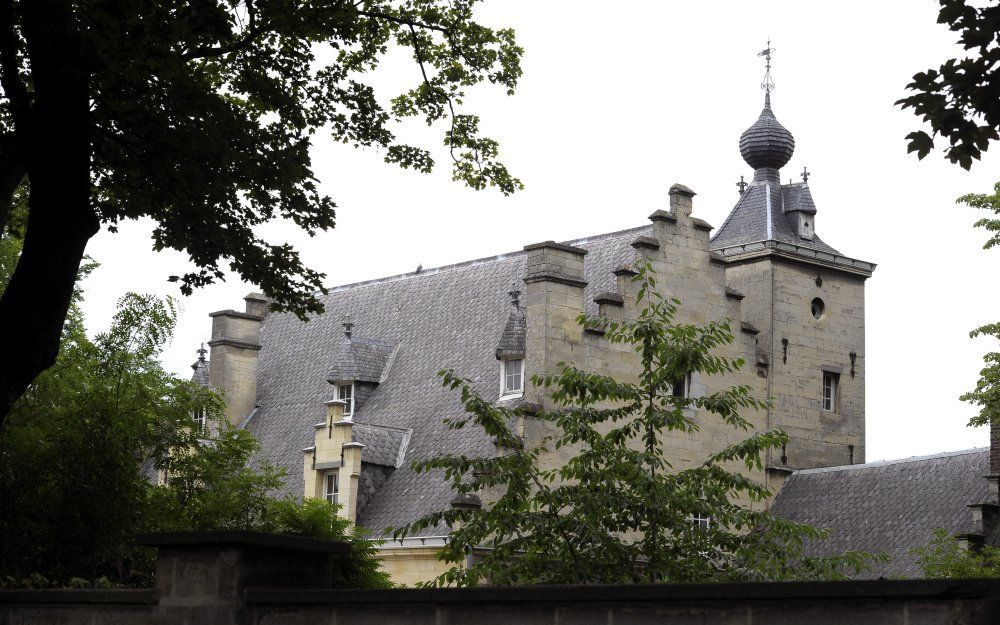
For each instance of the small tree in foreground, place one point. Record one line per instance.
(944, 557)
(78, 452)
(618, 510)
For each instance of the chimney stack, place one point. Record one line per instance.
(235, 344)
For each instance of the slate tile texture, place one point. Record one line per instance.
(448, 317)
(891, 506)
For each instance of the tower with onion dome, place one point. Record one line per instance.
(805, 297)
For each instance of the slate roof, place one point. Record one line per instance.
(761, 215)
(383, 446)
(359, 359)
(200, 375)
(515, 335)
(891, 506)
(445, 317)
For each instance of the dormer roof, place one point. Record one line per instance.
(515, 332)
(200, 367)
(359, 360)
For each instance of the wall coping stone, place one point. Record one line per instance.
(680, 189)
(235, 313)
(234, 343)
(648, 243)
(120, 596)
(701, 224)
(662, 215)
(939, 589)
(556, 246)
(614, 299)
(548, 276)
(210, 539)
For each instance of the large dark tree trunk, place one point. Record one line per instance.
(54, 141)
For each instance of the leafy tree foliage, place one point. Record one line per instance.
(618, 510)
(944, 557)
(201, 117)
(986, 395)
(83, 448)
(960, 100)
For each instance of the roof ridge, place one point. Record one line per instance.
(383, 427)
(884, 463)
(475, 261)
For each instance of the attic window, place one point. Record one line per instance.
(345, 392)
(513, 377)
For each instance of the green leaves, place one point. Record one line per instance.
(202, 116)
(959, 100)
(612, 507)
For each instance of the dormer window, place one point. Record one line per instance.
(331, 487)
(512, 374)
(345, 392)
(199, 419)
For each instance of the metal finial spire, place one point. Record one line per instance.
(515, 296)
(767, 84)
(805, 175)
(201, 352)
(742, 185)
(348, 326)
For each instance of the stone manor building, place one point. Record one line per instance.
(346, 401)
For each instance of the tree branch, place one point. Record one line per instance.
(253, 31)
(404, 22)
(12, 172)
(10, 75)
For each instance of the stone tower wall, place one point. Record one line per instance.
(685, 269)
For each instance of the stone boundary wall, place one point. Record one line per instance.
(909, 602)
(903, 602)
(247, 578)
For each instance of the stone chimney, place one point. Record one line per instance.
(554, 282)
(235, 344)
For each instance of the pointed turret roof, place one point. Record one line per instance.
(512, 341)
(200, 367)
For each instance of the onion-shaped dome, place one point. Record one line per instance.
(767, 144)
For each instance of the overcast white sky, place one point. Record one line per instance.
(619, 101)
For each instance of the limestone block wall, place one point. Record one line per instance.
(686, 270)
(778, 297)
(409, 566)
(819, 437)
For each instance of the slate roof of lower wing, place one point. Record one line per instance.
(891, 506)
(449, 317)
(749, 221)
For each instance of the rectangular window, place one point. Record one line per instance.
(513, 377)
(700, 521)
(199, 418)
(331, 487)
(831, 384)
(682, 387)
(345, 392)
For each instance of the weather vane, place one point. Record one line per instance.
(767, 84)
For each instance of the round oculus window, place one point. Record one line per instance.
(817, 307)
